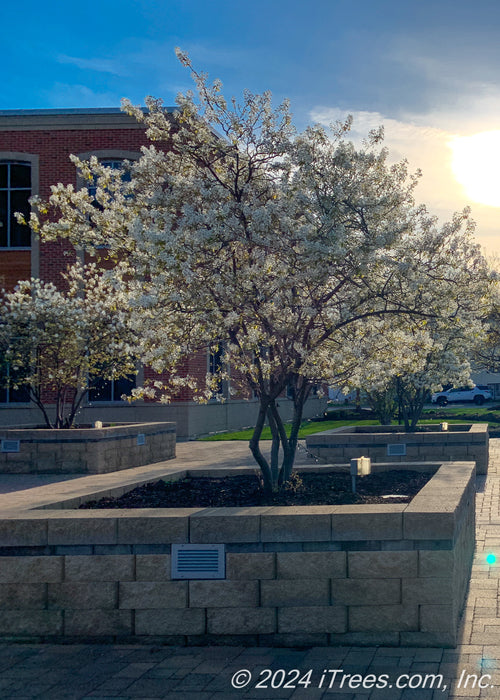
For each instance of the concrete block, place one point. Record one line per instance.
(23, 596)
(376, 591)
(170, 622)
(250, 566)
(437, 618)
(21, 532)
(136, 595)
(225, 525)
(371, 522)
(427, 590)
(294, 640)
(382, 564)
(103, 567)
(241, 621)
(296, 524)
(428, 639)
(89, 529)
(223, 594)
(149, 526)
(82, 596)
(31, 569)
(294, 593)
(365, 639)
(152, 567)
(97, 623)
(321, 565)
(383, 618)
(30, 622)
(430, 520)
(310, 619)
(435, 564)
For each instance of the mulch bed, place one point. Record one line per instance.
(303, 489)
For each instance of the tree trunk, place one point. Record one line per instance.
(273, 475)
(300, 397)
(255, 446)
(275, 446)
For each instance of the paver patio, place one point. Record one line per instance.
(205, 673)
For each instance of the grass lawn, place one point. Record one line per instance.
(475, 414)
(307, 428)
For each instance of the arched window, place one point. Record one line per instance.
(15, 191)
(114, 164)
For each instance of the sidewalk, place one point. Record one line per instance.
(121, 672)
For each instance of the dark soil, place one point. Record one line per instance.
(303, 489)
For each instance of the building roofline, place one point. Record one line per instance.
(69, 119)
(68, 111)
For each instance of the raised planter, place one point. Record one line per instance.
(318, 575)
(389, 443)
(85, 450)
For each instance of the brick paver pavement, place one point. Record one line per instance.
(125, 672)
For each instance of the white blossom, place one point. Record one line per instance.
(56, 341)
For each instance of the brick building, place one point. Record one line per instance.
(35, 146)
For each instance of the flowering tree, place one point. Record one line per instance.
(284, 249)
(486, 354)
(439, 355)
(54, 342)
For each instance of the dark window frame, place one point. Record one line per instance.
(9, 190)
(115, 392)
(8, 395)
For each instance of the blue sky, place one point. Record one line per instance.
(428, 70)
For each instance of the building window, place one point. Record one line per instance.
(9, 394)
(111, 389)
(114, 164)
(215, 366)
(15, 191)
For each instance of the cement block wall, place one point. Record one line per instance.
(318, 575)
(460, 442)
(87, 450)
(190, 418)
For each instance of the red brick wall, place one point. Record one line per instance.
(195, 365)
(54, 148)
(15, 265)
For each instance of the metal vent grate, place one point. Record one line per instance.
(396, 449)
(198, 561)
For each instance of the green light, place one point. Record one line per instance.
(491, 559)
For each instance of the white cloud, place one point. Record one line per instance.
(100, 65)
(427, 147)
(63, 95)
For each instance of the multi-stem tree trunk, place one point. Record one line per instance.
(277, 469)
(64, 414)
(383, 403)
(411, 402)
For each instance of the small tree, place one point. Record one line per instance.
(54, 342)
(286, 249)
(441, 358)
(383, 402)
(486, 354)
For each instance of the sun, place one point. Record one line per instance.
(476, 166)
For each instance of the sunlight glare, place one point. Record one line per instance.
(475, 165)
